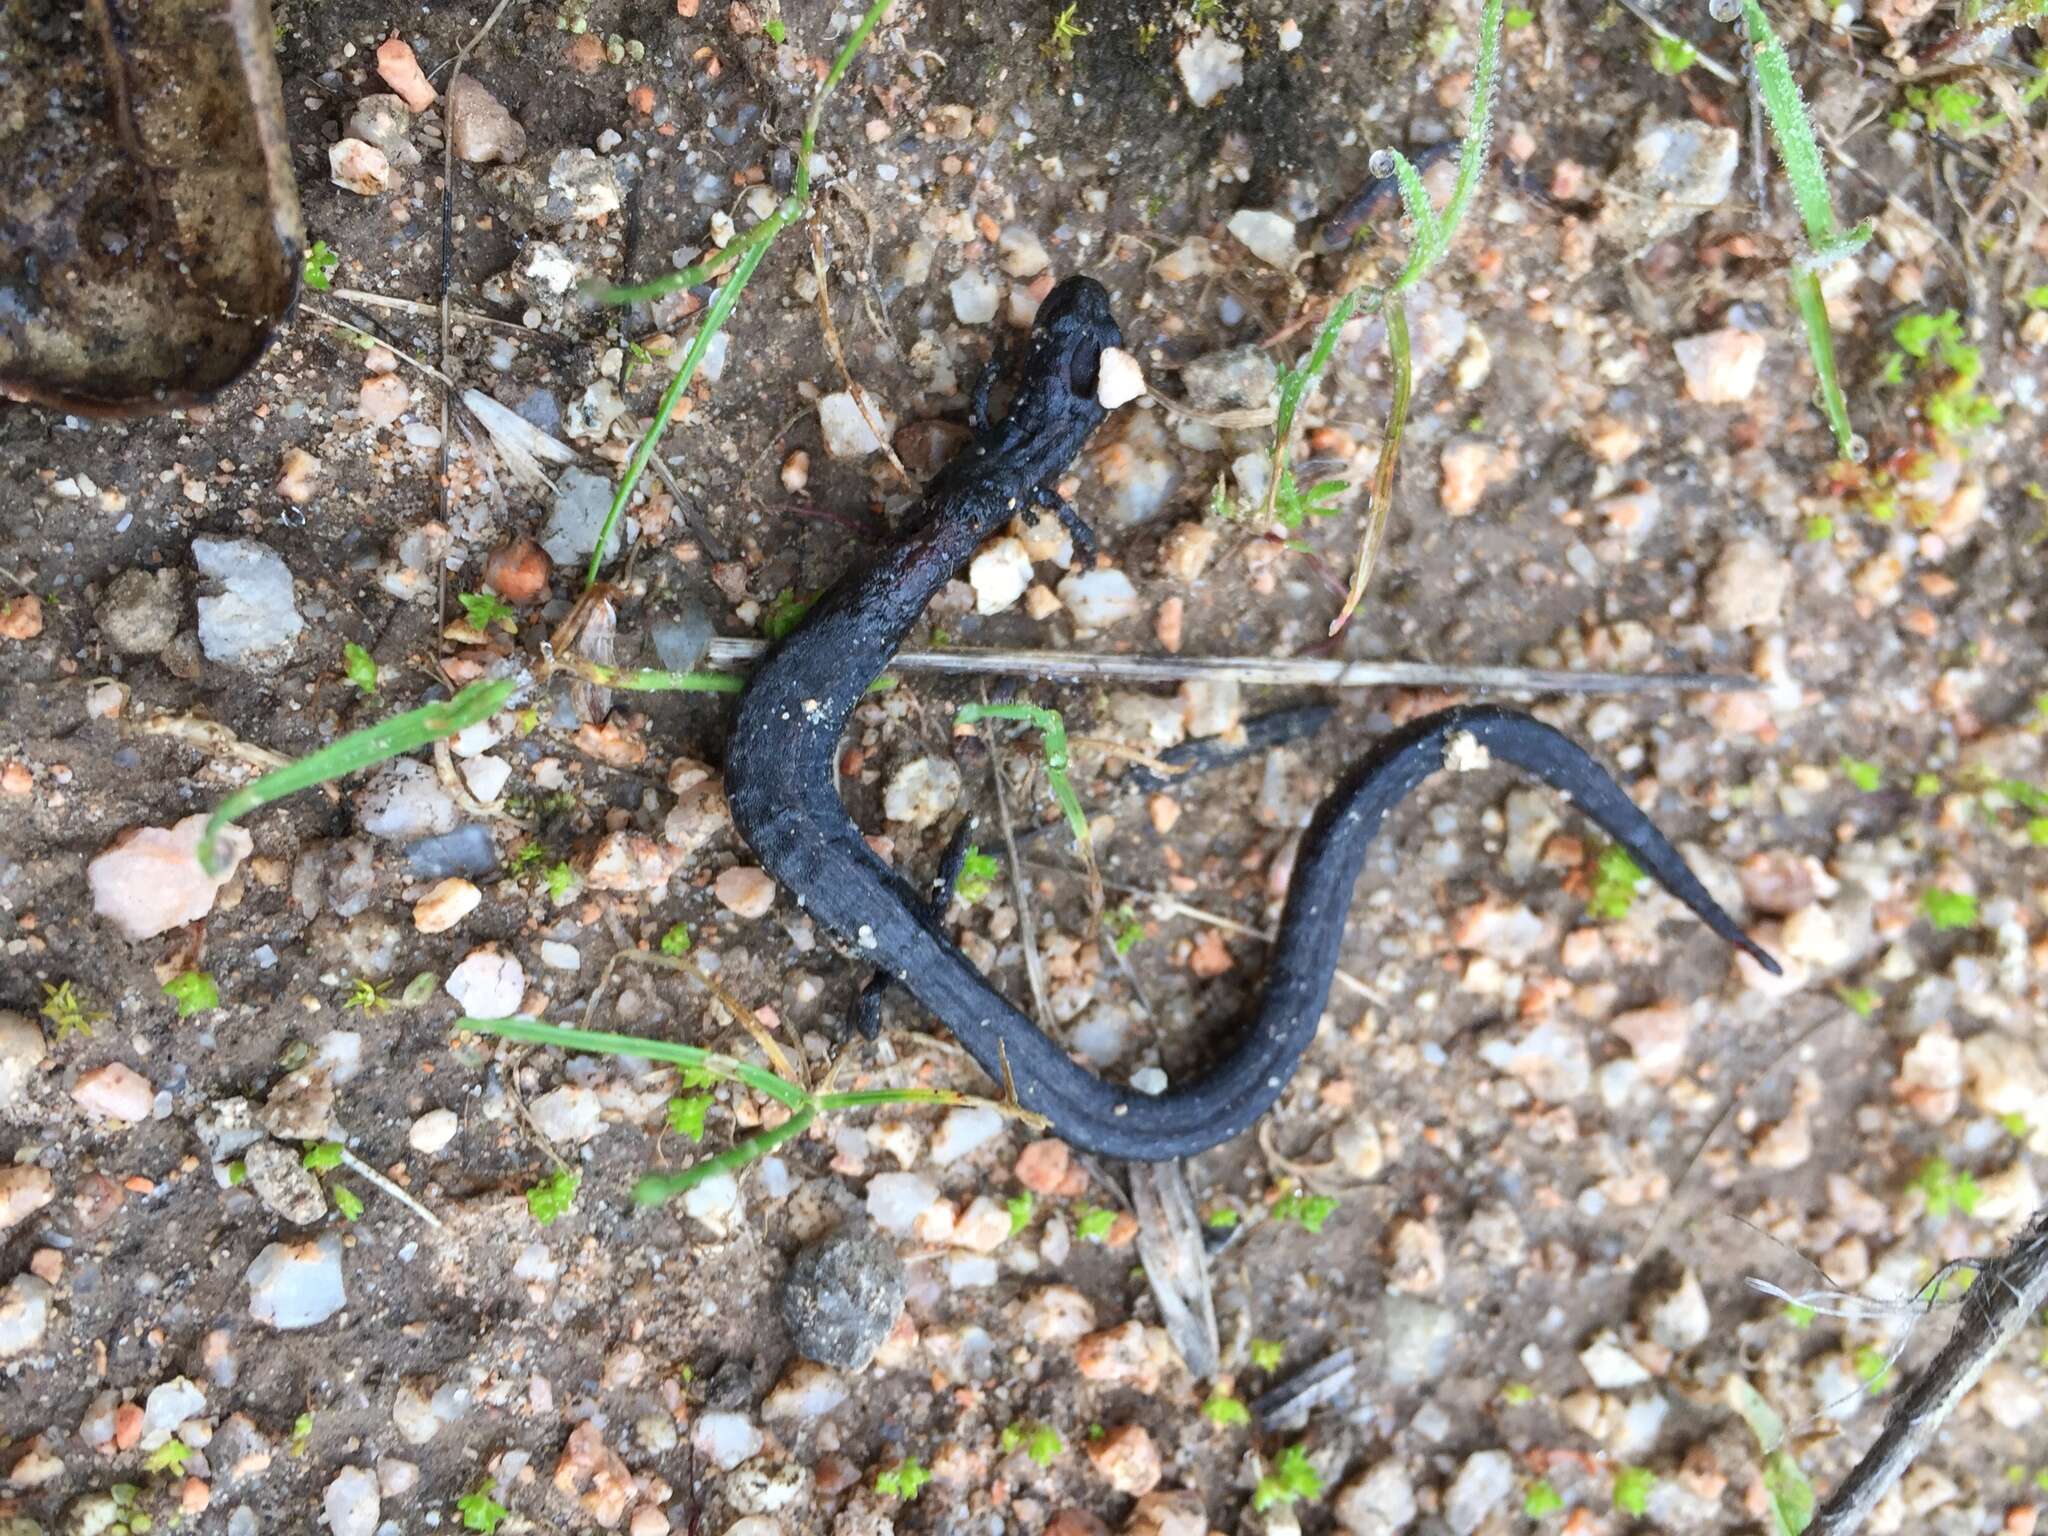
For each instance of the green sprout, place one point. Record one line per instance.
(1935, 345)
(347, 1201)
(1632, 1487)
(1949, 909)
(1542, 1500)
(1518, 1394)
(360, 668)
(1065, 30)
(778, 34)
(1020, 1207)
(1866, 776)
(1785, 1484)
(978, 874)
(359, 749)
(322, 1156)
(1267, 1354)
(1292, 1478)
(1305, 1210)
(480, 1512)
(192, 992)
(301, 1436)
(1223, 1218)
(739, 260)
(168, 1457)
(69, 1010)
(903, 1481)
(1861, 1001)
(1616, 879)
(1872, 1368)
(1798, 1316)
(483, 609)
(561, 881)
(1225, 1411)
(1125, 931)
(785, 612)
(238, 1173)
(1947, 1188)
(1827, 242)
(1092, 1222)
(1041, 1442)
(676, 942)
(1517, 18)
(1052, 730)
(686, 1114)
(1819, 528)
(366, 996)
(1926, 785)
(317, 269)
(1672, 55)
(549, 1200)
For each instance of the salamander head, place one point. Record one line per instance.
(1057, 384)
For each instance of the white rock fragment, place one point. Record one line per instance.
(1747, 587)
(1611, 1367)
(152, 882)
(1483, 1483)
(726, 1439)
(1118, 379)
(999, 574)
(114, 1092)
(1099, 599)
(807, 1392)
(846, 431)
(252, 620)
(1721, 366)
(352, 1502)
(716, 1203)
(487, 984)
(964, 1132)
(1678, 1319)
(433, 1131)
(168, 1405)
(922, 791)
(745, 891)
(1267, 235)
(486, 777)
(24, 1315)
(1021, 252)
(1209, 66)
(975, 297)
(447, 903)
(571, 1113)
(357, 167)
(897, 1201)
(297, 1285)
(24, 1190)
(404, 801)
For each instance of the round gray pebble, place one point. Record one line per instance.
(841, 1297)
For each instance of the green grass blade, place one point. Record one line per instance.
(1479, 135)
(1415, 199)
(1791, 129)
(655, 680)
(374, 744)
(1052, 729)
(1820, 343)
(531, 1031)
(655, 1188)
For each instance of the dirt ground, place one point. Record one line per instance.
(1559, 1145)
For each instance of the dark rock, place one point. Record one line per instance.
(841, 1297)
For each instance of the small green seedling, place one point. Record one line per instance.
(1632, 1489)
(1092, 1223)
(1041, 1442)
(1223, 1218)
(1542, 1500)
(549, 1201)
(322, 1156)
(366, 996)
(1866, 776)
(1872, 1368)
(1125, 931)
(1292, 1478)
(1225, 1411)
(1672, 55)
(1267, 1354)
(168, 1457)
(1616, 880)
(1065, 32)
(317, 270)
(561, 881)
(676, 942)
(903, 1481)
(1052, 730)
(480, 1512)
(778, 34)
(483, 609)
(69, 1010)
(1949, 909)
(1785, 1484)
(192, 992)
(360, 668)
(686, 1114)
(978, 874)
(1518, 1394)
(1947, 1188)
(1305, 1210)
(301, 1436)
(1020, 1207)
(1861, 1001)
(347, 1201)
(1798, 1316)
(785, 613)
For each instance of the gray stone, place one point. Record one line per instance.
(140, 613)
(405, 801)
(841, 1297)
(297, 1285)
(581, 186)
(479, 128)
(21, 1055)
(1482, 1484)
(252, 619)
(385, 121)
(1673, 173)
(284, 1183)
(25, 1315)
(1235, 380)
(581, 501)
(1418, 1336)
(468, 851)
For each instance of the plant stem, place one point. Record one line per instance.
(1381, 505)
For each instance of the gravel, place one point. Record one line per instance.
(841, 1297)
(248, 606)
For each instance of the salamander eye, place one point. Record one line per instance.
(1082, 366)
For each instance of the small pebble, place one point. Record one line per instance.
(745, 891)
(433, 1131)
(447, 904)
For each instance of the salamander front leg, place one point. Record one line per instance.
(1085, 542)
